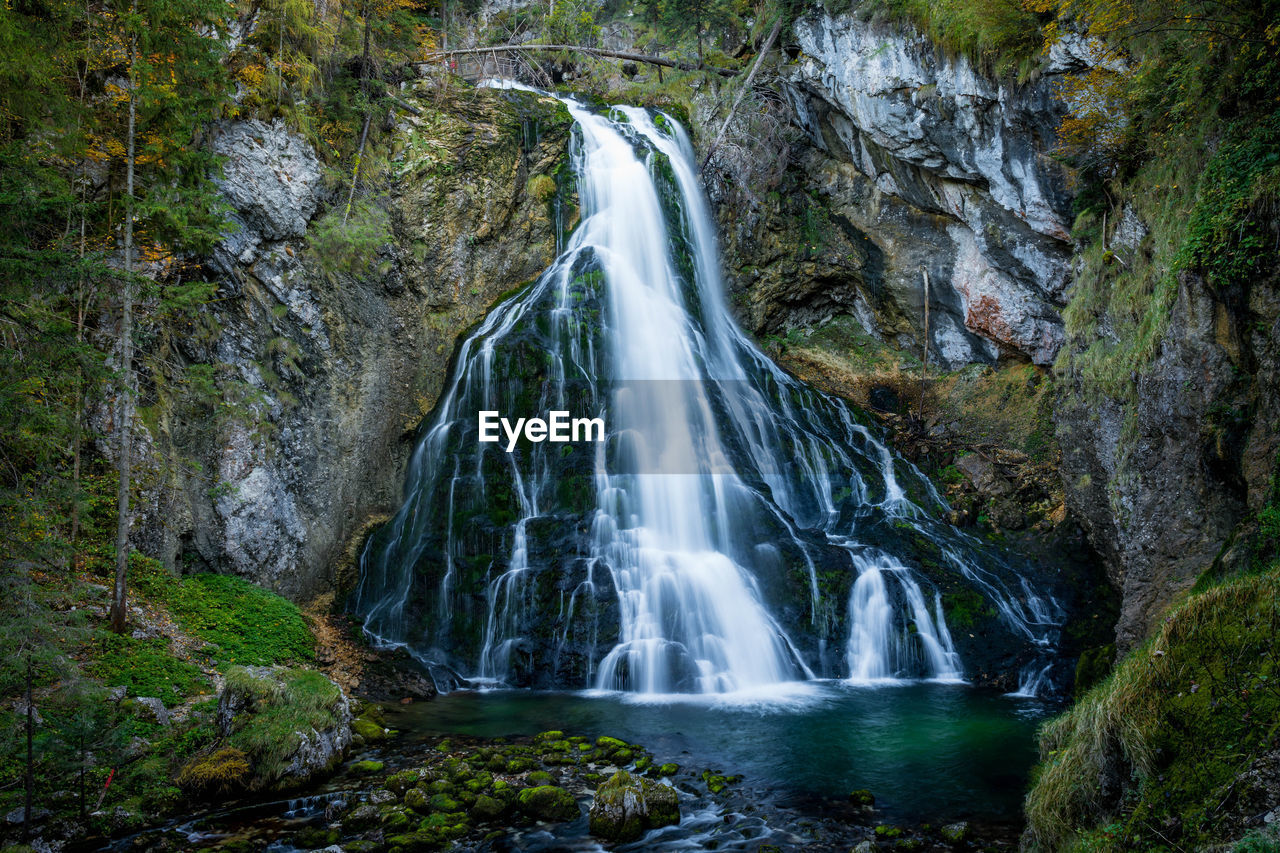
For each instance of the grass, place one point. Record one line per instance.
(285, 704)
(1152, 756)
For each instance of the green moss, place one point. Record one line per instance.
(862, 797)
(1176, 724)
(220, 772)
(548, 802)
(368, 729)
(367, 766)
(669, 769)
(248, 624)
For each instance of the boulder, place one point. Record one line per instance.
(548, 802)
(627, 806)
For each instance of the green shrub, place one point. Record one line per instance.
(348, 244)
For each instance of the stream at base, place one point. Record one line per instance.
(928, 752)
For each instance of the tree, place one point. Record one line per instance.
(176, 84)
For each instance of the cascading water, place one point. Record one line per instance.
(709, 544)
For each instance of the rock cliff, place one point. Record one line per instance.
(336, 351)
(932, 167)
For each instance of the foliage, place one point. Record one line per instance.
(221, 771)
(1003, 36)
(248, 624)
(282, 705)
(147, 667)
(350, 244)
(1144, 759)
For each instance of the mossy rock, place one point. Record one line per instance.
(548, 802)
(540, 777)
(443, 803)
(368, 729)
(547, 737)
(441, 786)
(415, 842)
(887, 831)
(520, 765)
(610, 744)
(908, 844)
(417, 799)
(669, 769)
(488, 808)
(221, 771)
(399, 783)
(395, 819)
(627, 806)
(481, 781)
(367, 766)
(862, 797)
(717, 782)
(643, 763)
(623, 756)
(954, 833)
(311, 837)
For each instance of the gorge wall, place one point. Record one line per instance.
(907, 162)
(914, 161)
(338, 348)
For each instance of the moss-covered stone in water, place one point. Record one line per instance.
(441, 786)
(547, 737)
(548, 802)
(479, 782)
(414, 842)
(519, 765)
(669, 769)
(610, 744)
(368, 729)
(887, 831)
(954, 832)
(395, 819)
(717, 782)
(626, 806)
(400, 782)
(488, 808)
(367, 766)
(315, 837)
(540, 777)
(416, 799)
(862, 797)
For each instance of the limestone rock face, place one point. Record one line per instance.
(927, 166)
(321, 371)
(271, 177)
(1161, 480)
(627, 806)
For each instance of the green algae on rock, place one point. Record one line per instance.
(626, 806)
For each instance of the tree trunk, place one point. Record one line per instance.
(124, 405)
(591, 51)
(746, 87)
(29, 777)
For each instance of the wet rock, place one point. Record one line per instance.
(548, 802)
(955, 833)
(981, 471)
(626, 806)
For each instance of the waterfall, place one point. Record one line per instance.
(696, 550)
